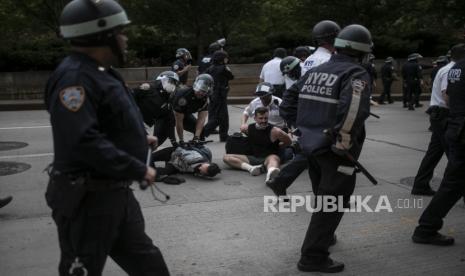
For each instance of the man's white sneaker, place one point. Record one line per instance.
(257, 170)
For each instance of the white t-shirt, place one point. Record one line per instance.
(439, 85)
(321, 55)
(273, 117)
(271, 72)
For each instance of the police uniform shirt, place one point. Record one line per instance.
(177, 66)
(334, 96)
(386, 72)
(153, 103)
(273, 117)
(96, 125)
(185, 101)
(456, 88)
(271, 72)
(411, 71)
(439, 85)
(320, 56)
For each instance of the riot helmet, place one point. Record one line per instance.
(264, 89)
(414, 57)
(203, 83)
(324, 32)
(169, 81)
(442, 60)
(354, 40)
(290, 66)
(184, 53)
(215, 46)
(389, 60)
(302, 52)
(93, 23)
(220, 57)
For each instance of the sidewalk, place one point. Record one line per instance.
(219, 227)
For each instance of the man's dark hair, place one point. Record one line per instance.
(213, 170)
(261, 110)
(279, 52)
(457, 52)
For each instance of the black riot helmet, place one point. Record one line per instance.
(183, 52)
(302, 52)
(219, 57)
(414, 57)
(215, 46)
(389, 60)
(324, 32)
(354, 40)
(203, 83)
(290, 66)
(90, 23)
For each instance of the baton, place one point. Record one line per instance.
(348, 156)
(374, 115)
(144, 184)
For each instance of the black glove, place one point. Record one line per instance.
(195, 141)
(174, 143)
(182, 144)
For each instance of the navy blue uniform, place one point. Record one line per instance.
(218, 110)
(333, 96)
(177, 66)
(156, 109)
(387, 76)
(452, 187)
(184, 101)
(411, 73)
(100, 146)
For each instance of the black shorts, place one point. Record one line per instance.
(253, 160)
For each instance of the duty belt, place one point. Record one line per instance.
(93, 184)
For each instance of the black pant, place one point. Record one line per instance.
(165, 156)
(436, 148)
(328, 181)
(386, 91)
(217, 116)
(413, 93)
(164, 128)
(452, 188)
(108, 223)
(189, 123)
(296, 166)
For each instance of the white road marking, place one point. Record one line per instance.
(26, 155)
(9, 128)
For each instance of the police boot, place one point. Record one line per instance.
(410, 107)
(328, 266)
(5, 201)
(438, 239)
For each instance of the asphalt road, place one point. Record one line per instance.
(219, 227)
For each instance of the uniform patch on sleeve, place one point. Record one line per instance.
(73, 97)
(175, 67)
(358, 85)
(182, 101)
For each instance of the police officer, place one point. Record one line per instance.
(453, 185)
(272, 74)
(206, 60)
(291, 68)
(155, 105)
(323, 34)
(333, 103)
(218, 107)
(371, 69)
(100, 148)
(438, 111)
(182, 64)
(189, 100)
(412, 77)
(302, 53)
(440, 62)
(387, 76)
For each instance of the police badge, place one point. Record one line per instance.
(72, 97)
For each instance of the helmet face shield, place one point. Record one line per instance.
(168, 84)
(201, 86)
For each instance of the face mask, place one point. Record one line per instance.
(168, 86)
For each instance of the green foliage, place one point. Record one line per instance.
(253, 28)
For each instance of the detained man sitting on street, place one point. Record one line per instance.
(266, 141)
